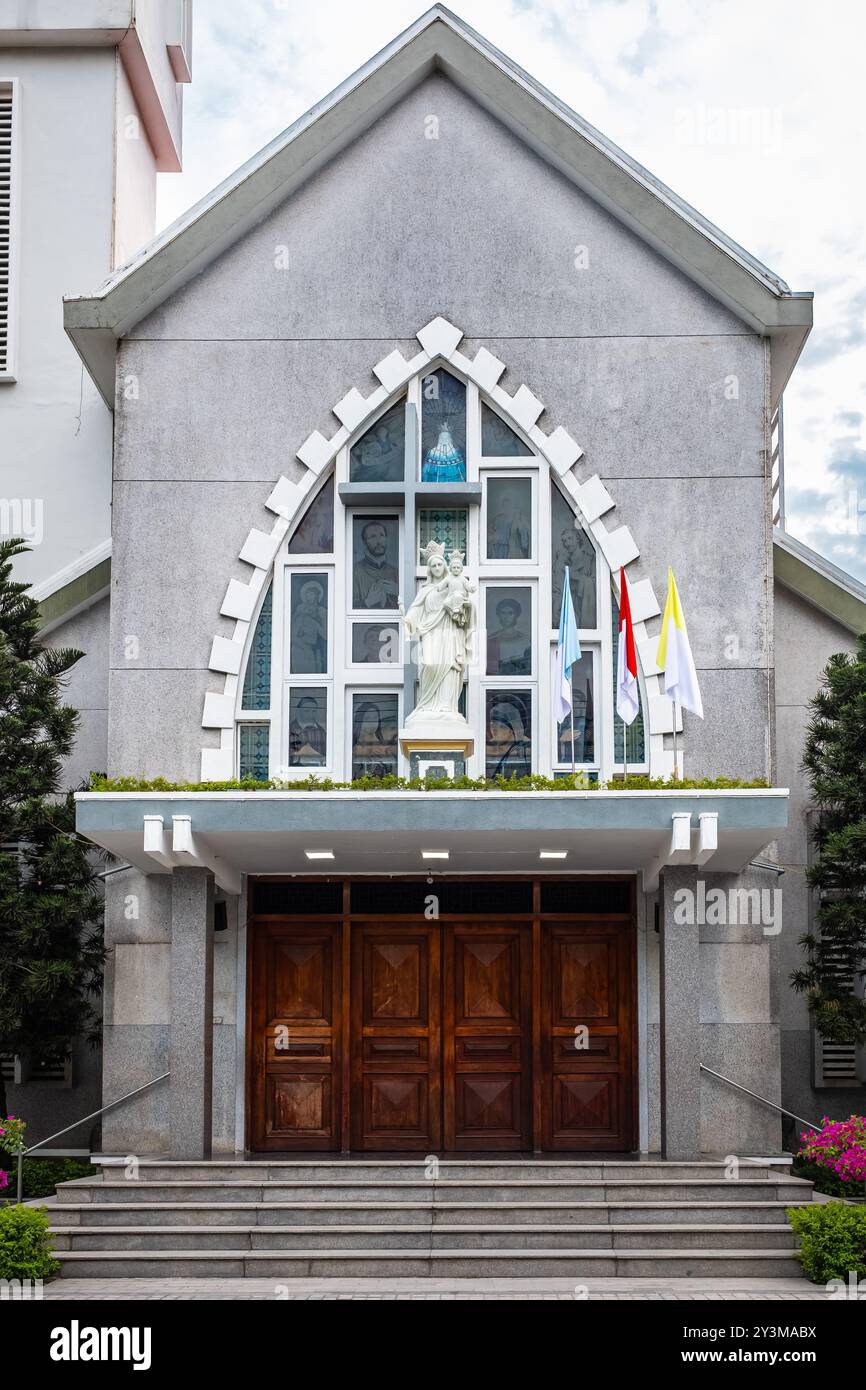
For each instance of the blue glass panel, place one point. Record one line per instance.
(634, 731)
(257, 680)
(254, 744)
(447, 526)
(443, 428)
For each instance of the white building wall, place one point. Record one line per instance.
(55, 431)
(135, 175)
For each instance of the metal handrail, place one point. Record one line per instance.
(83, 1121)
(810, 1124)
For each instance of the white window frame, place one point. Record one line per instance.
(497, 474)
(345, 677)
(352, 689)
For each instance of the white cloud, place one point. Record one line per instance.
(751, 111)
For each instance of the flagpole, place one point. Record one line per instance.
(676, 764)
(573, 759)
(624, 750)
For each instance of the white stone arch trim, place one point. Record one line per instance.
(439, 341)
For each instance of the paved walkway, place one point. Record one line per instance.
(601, 1290)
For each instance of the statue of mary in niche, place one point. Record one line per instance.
(442, 620)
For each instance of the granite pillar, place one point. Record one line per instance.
(679, 960)
(191, 1052)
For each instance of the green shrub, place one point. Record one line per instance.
(825, 1181)
(25, 1244)
(832, 1238)
(100, 783)
(40, 1176)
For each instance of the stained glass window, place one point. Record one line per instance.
(257, 680)
(308, 624)
(374, 734)
(254, 743)
(633, 732)
(443, 428)
(379, 455)
(571, 546)
(583, 705)
(308, 726)
(509, 631)
(498, 440)
(508, 749)
(375, 644)
(315, 534)
(448, 526)
(509, 518)
(375, 562)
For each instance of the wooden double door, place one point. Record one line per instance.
(457, 1036)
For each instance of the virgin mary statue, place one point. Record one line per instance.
(441, 619)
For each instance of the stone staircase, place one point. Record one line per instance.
(381, 1218)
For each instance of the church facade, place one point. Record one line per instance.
(438, 351)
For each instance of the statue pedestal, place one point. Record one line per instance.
(437, 749)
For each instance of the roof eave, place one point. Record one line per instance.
(821, 583)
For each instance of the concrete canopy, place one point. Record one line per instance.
(271, 832)
(439, 41)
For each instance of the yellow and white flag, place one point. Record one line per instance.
(675, 655)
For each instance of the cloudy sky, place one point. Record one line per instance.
(750, 109)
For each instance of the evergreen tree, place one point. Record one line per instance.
(51, 951)
(835, 760)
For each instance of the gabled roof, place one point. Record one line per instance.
(817, 580)
(439, 41)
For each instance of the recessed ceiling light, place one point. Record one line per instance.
(434, 853)
(319, 853)
(553, 854)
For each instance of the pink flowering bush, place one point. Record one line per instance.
(12, 1135)
(11, 1142)
(839, 1146)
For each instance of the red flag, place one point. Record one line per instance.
(627, 701)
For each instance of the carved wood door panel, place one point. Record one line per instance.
(473, 1036)
(396, 1027)
(586, 1025)
(296, 1029)
(487, 1036)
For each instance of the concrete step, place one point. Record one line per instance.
(97, 1190)
(401, 1263)
(106, 1215)
(463, 1237)
(413, 1170)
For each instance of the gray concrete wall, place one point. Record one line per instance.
(87, 689)
(663, 388)
(805, 641)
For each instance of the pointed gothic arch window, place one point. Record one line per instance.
(340, 678)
